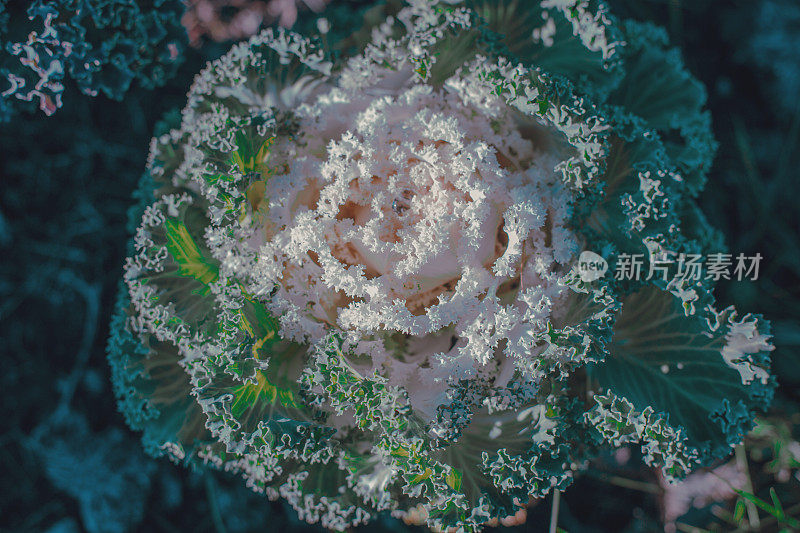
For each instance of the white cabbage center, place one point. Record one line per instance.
(425, 220)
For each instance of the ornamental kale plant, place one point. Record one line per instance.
(356, 277)
(101, 45)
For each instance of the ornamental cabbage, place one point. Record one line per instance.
(103, 46)
(356, 278)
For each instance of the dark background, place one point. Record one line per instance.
(67, 460)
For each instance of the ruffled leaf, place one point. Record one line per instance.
(676, 365)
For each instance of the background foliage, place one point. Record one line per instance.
(69, 463)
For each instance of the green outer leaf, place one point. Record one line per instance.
(703, 396)
(514, 22)
(658, 89)
(153, 392)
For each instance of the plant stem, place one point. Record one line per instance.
(685, 528)
(633, 484)
(752, 512)
(770, 519)
(554, 511)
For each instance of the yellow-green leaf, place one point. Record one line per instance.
(185, 252)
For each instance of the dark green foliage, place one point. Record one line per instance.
(100, 46)
(106, 473)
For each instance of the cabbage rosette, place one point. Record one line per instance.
(355, 277)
